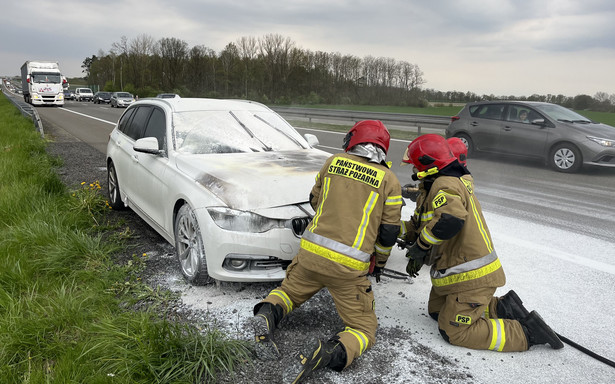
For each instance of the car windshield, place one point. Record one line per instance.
(202, 132)
(42, 77)
(104, 94)
(557, 112)
(124, 94)
(85, 90)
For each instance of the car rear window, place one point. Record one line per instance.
(487, 111)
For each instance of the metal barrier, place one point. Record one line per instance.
(27, 110)
(410, 122)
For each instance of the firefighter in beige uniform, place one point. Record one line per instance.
(357, 203)
(449, 232)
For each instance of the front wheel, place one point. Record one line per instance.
(189, 247)
(468, 143)
(113, 186)
(565, 157)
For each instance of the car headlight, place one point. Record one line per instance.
(242, 221)
(601, 141)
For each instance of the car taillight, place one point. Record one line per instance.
(454, 118)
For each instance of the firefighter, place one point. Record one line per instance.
(449, 233)
(357, 203)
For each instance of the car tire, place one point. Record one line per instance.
(565, 157)
(113, 189)
(189, 247)
(468, 143)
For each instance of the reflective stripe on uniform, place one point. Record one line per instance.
(498, 336)
(394, 200)
(325, 192)
(367, 211)
(471, 270)
(382, 249)
(337, 257)
(425, 216)
(431, 239)
(363, 340)
(481, 226)
(282, 295)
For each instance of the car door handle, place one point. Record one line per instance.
(135, 158)
(474, 123)
(508, 128)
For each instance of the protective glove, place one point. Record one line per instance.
(409, 191)
(377, 272)
(416, 258)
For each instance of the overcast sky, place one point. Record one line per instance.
(500, 47)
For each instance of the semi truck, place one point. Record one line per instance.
(42, 83)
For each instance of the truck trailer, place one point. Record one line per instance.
(42, 83)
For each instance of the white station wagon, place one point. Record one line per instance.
(226, 182)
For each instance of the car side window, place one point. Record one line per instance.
(156, 127)
(488, 111)
(125, 120)
(137, 126)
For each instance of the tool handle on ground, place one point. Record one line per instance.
(586, 351)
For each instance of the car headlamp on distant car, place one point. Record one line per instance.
(242, 221)
(601, 141)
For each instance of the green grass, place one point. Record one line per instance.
(65, 304)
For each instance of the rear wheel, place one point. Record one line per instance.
(189, 247)
(115, 199)
(468, 143)
(565, 157)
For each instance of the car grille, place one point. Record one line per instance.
(299, 225)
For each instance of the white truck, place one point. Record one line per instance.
(42, 83)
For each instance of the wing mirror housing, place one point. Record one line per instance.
(311, 139)
(147, 145)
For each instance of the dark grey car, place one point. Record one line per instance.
(563, 138)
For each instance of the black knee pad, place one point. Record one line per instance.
(434, 315)
(339, 358)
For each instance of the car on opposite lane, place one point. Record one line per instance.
(560, 136)
(226, 182)
(121, 99)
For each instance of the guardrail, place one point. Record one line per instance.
(27, 110)
(410, 122)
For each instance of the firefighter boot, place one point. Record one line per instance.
(265, 320)
(331, 354)
(538, 332)
(510, 306)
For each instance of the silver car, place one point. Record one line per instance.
(121, 99)
(563, 138)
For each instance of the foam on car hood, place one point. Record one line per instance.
(249, 181)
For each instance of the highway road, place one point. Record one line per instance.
(519, 188)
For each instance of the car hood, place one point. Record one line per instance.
(250, 181)
(594, 129)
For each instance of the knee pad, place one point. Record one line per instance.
(444, 335)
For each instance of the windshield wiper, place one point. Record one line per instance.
(565, 120)
(281, 131)
(581, 121)
(252, 135)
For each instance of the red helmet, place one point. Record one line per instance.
(429, 151)
(368, 131)
(460, 151)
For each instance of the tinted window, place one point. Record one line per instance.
(125, 120)
(487, 111)
(139, 121)
(156, 127)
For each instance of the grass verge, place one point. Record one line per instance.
(65, 305)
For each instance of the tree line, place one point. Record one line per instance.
(272, 69)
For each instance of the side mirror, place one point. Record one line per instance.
(147, 145)
(311, 139)
(540, 122)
